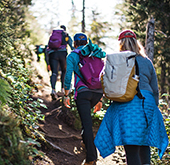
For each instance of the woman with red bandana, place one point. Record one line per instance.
(136, 125)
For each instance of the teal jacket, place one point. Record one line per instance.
(72, 66)
(73, 60)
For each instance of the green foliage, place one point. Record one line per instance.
(135, 14)
(36, 33)
(12, 150)
(99, 29)
(16, 86)
(4, 89)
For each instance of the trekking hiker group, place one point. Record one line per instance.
(127, 78)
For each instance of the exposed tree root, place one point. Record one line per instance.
(58, 148)
(42, 128)
(56, 109)
(60, 137)
(64, 137)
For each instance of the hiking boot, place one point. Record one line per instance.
(54, 95)
(90, 163)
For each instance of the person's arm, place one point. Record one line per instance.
(47, 58)
(66, 99)
(67, 80)
(69, 71)
(70, 43)
(98, 106)
(154, 85)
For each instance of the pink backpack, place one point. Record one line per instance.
(90, 68)
(57, 39)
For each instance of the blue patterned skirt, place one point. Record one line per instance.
(132, 123)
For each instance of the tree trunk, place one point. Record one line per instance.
(83, 19)
(149, 43)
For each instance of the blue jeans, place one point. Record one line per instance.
(85, 101)
(57, 59)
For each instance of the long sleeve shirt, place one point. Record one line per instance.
(72, 66)
(148, 78)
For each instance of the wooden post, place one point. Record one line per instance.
(149, 42)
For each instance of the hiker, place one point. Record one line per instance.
(137, 124)
(85, 98)
(57, 57)
(38, 51)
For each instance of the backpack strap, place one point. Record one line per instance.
(65, 38)
(139, 94)
(79, 76)
(128, 58)
(79, 84)
(78, 51)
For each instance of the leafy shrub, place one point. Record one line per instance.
(16, 98)
(12, 150)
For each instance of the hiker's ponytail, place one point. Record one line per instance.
(131, 44)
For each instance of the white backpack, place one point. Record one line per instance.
(119, 78)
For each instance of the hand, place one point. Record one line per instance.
(98, 106)
(48, 68)
(67, 101)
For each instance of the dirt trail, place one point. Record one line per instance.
(66, 148)
(58, 133)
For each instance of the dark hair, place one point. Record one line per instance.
(63, 27)
(80, 42)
